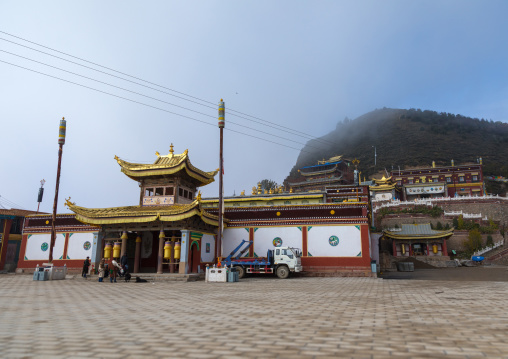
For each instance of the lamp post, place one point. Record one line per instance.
(222, 111)
(41, 193)
(61, 141)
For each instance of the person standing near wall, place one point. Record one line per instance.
(101, 270)
(86, 264)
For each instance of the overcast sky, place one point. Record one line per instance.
(304, 65)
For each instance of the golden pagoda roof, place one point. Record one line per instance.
(141, 214)
(383, 184)
(166, 165)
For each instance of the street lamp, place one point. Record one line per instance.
(41, 193)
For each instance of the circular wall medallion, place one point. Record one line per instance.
(278, 214)
(47, 222)
(332, 212)
(277, 242)
(87, 245)
(333, 240)
(44, 246)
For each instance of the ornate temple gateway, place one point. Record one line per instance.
(165, 230)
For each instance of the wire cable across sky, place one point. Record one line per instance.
(229, 111)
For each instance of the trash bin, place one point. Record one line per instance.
(233, 275)
(373, 266)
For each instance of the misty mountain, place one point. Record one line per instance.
(411, 138)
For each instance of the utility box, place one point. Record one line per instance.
(216, 274)
(373, 266)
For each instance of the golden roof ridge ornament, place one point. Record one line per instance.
(198, 198)
(171, 150)
(157, 153)
(68, 202)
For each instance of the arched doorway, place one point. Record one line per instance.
(195, 257)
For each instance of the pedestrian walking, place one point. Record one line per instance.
(101, 270)
(86, 264)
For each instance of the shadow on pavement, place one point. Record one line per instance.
(483, 273)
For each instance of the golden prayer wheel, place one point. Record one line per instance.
(178, 248)
(116, 250)
(434, 248)
(107, 250)
(167, 250)
(403, 248)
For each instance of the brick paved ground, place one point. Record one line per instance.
(255, 318)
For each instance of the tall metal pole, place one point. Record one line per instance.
(221, 170)
(61, 141)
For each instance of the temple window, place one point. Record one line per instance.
(287, 202)
(475, 178)
(159, 191)
(169, 191)
(305, 201)
(461, 178)
(410, 181)
(448, 180)
(269, 203)
(148, 191)
(180, 191)
(435, 179)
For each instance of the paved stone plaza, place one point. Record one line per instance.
(254, 318)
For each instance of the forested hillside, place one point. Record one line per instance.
(409, 138)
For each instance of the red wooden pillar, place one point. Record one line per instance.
(5, 242)
(394, 248)
(428, 253)
(251, 238)
(410, 249)
(304, 242)
(445, 250)
(137, 255)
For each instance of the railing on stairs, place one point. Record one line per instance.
(489, 248)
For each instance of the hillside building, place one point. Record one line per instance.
(332, 172)
(444, 181)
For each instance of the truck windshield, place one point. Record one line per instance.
(297, 252)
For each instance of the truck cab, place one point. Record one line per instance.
(286, 257)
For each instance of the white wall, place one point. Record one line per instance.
(232, 237)
(263, 238)
(34, 243)
(350, 241)
(210, 240)
(76, 247)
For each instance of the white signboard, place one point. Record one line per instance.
(425, 189)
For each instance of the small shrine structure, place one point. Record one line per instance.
(418, 240)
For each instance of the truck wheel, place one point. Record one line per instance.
(241, 272)
(282, 272)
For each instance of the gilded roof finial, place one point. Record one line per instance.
(171, 149)
(242, 193)
(157, 153)
(199, 196)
